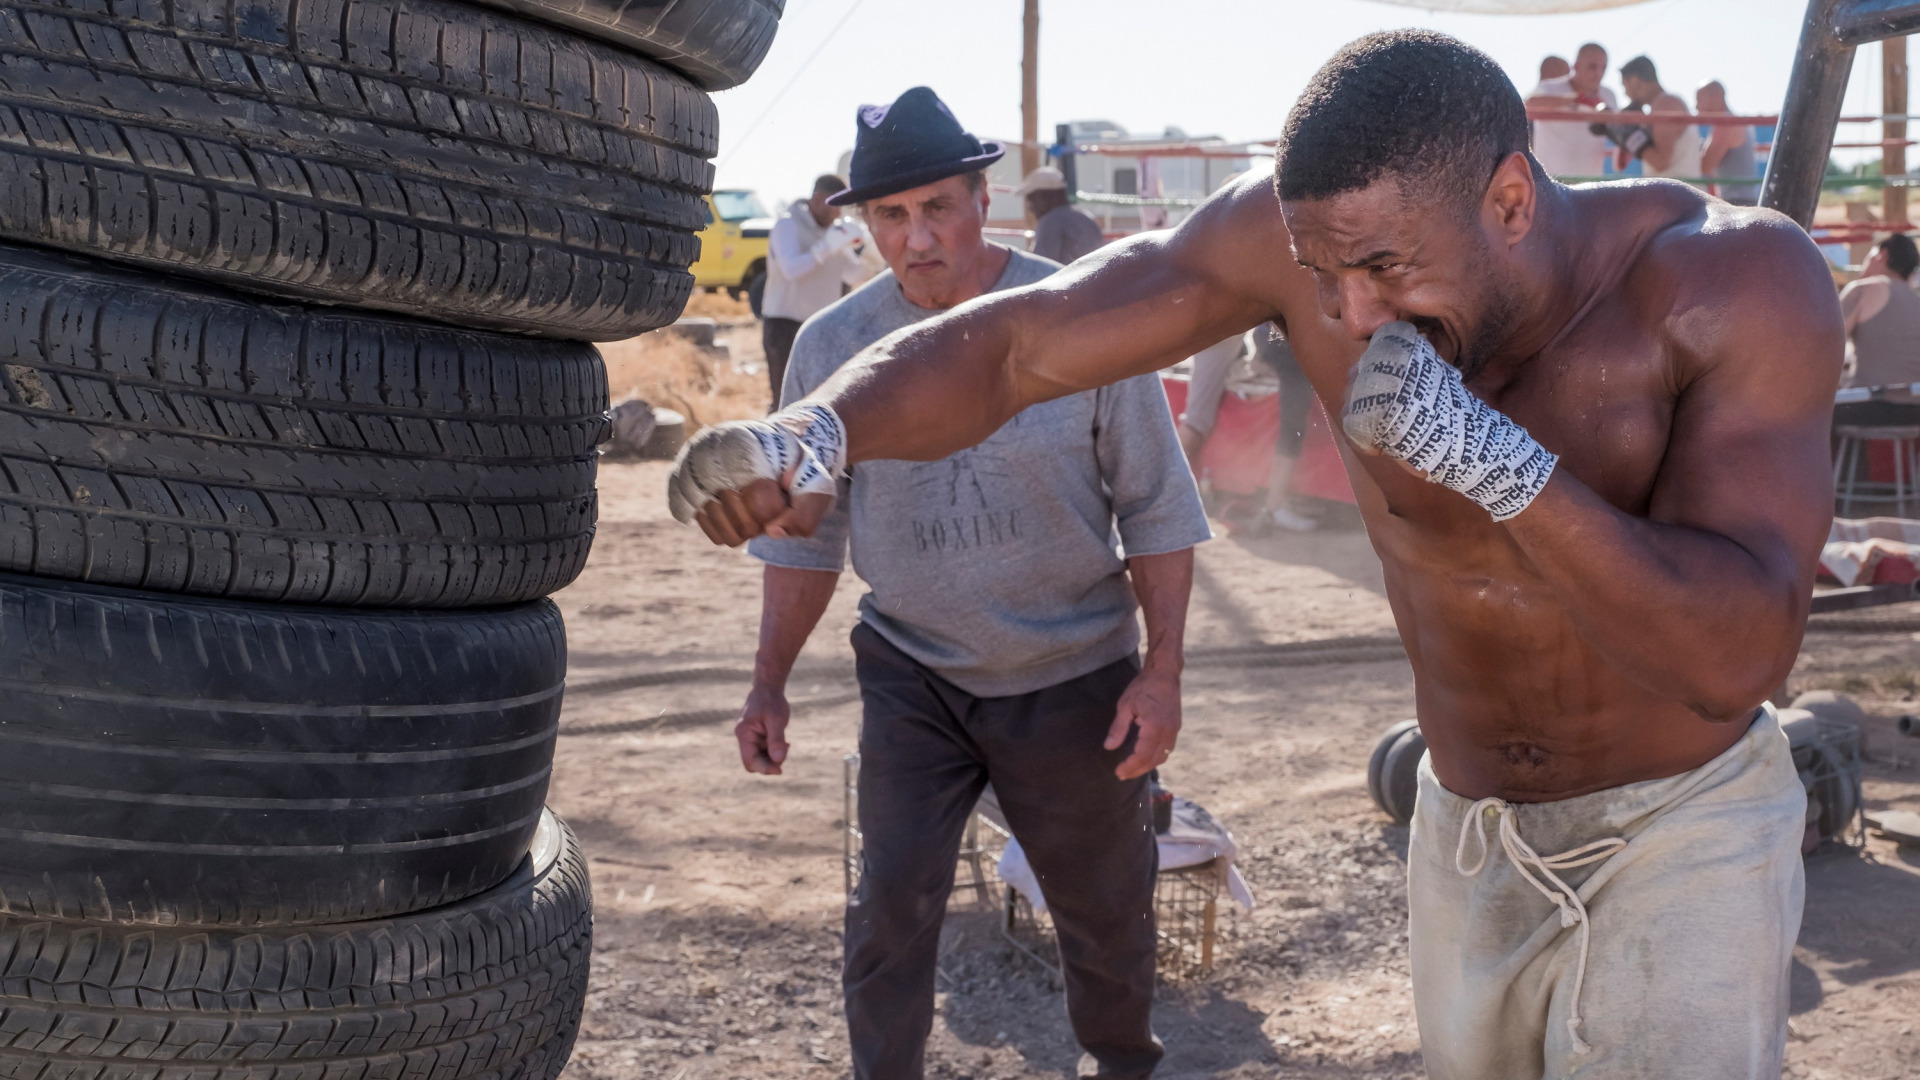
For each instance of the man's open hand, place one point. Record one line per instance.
(762, 730)
(1152, 705)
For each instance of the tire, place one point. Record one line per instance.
(167, 437)
(1393, 771)
(420, 158)
(1377, 761)
(1400, 780)
(206, 763)
(716, 43)
(489, 988)
(1828, 769)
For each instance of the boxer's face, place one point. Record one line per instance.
(1379, 255)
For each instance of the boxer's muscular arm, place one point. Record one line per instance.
(1136, 306)
(1704, 600)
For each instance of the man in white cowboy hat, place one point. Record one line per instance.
(1061, 231)
(998, 640)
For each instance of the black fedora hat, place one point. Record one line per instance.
(914, 141)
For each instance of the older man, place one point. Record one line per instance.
(1588, 431)
(998, 641)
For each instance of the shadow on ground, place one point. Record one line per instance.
(1859, 924)
(995, 997)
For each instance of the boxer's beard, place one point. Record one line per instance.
(1499, 317)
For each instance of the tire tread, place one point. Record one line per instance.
(489, 987)
(158, 436)
(405, 156)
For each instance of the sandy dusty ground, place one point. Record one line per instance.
(719, 894)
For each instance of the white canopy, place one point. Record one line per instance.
(1513, 7)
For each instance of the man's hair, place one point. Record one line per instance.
(1591, 46)
(976, 182)
(828, 184)
(1903, 257)
(1426, 110)
(1639, 68)
(1556, 64)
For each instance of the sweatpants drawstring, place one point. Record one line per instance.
(1527, 861)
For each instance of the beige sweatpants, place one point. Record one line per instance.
(1690, 921)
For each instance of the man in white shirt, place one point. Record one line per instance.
(812, 255)
(1568, 147)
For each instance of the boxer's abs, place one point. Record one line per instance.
(1514, 703)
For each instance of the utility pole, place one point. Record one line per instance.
(1893, 153)
(1030, 89)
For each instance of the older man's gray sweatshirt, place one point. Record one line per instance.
(1000, 568)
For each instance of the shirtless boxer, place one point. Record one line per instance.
(1604, 871)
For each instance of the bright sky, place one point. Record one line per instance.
(1212, 67)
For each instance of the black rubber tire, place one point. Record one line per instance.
(416, 157)
(490, 987)
(716, 43)
(1393, 773)
(167, 437)
(1831, 780)
(1377, 761)
(179, 761)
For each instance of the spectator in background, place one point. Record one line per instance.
(1882, 314)
(1729, 155)
(1061, 232)
(1556, 67)
(812, 256)
(1666, 147)
(1211, 368)
(1566, 147)
(1296, 397)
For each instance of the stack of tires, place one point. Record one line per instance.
(298, 420)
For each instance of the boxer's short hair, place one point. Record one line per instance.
(1428, 110)
(1903, 258)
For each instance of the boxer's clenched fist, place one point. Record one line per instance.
(729, 477)
(1404, 401)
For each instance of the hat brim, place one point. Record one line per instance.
(894, 185)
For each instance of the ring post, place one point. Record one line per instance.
(1798, 163)
(1856, 22)
(1064, 153)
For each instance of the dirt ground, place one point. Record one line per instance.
(719, 894)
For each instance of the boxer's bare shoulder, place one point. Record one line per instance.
(1238, 243)
(1730, 315)
(1720, 278)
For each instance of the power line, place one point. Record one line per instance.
(788, 85)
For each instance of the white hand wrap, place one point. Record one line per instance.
(1406, 402)
(803, 448)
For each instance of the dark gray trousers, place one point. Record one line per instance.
(927, 748)
(776, 340)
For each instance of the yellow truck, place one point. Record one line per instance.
(733, 246)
